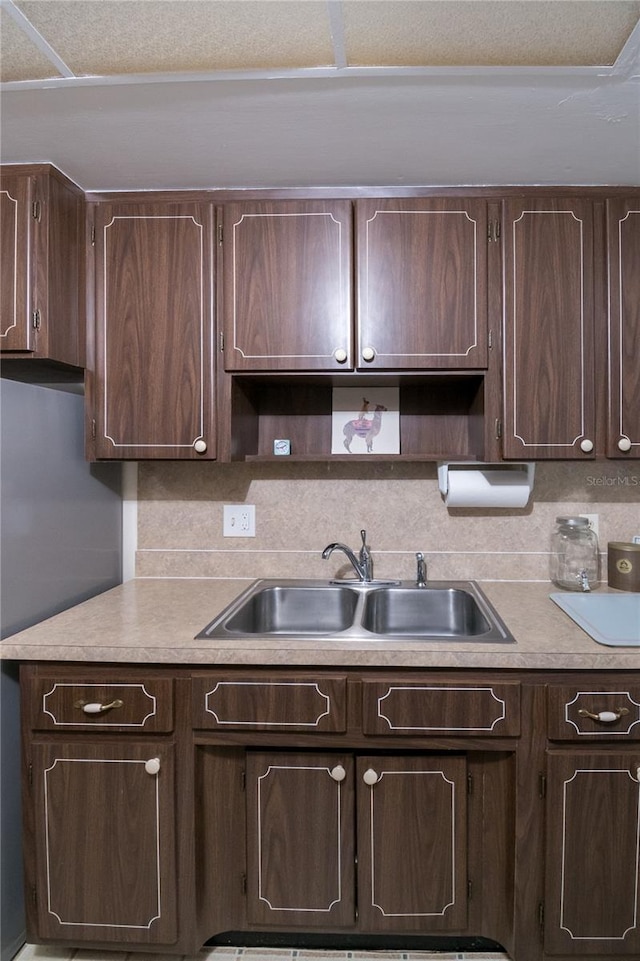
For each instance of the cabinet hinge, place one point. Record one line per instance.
(36, 210)
(34, 895)
(243, 781)
(542, 786)
(93, 235)
(498, 426)
(36, 319)
(541, 914)
(490, 340)
(469, 889)
(493, 231)
(243, 883)
(93, 430)
(30, 774)
(220, 231)
(221, 341)
(469, 784)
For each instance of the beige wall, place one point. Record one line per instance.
(302, 507)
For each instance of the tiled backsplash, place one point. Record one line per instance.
(302, 507)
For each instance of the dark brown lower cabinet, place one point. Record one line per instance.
(104, 837)
(166, 806)
(593, 818)
(408, 814)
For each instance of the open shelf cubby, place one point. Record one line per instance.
(441, 416)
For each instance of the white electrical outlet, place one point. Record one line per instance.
(239, 520)
(593, 522)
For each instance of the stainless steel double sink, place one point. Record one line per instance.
(356, 611)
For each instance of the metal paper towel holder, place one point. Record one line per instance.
(444, 468)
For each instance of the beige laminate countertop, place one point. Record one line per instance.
(154, 621)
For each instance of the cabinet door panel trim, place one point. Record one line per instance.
(117, 723)
(587, 880)
(616, 333)
(581, 425)
(472, 346)
(607, 730)
(246, 354)
(111, 925)
(372, 835)
(314, 686)
(338, 833)
(440, 727)
(15, 224)
(204, 349)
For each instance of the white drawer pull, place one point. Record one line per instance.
(605, 717)
(370, 777)
(338, 773)
(96, 708)
(152, 766)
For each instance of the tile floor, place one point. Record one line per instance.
(32, 952)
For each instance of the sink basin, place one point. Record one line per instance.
(295, 610)
(428, 612)
(310, 609)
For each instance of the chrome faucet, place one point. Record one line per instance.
(583, 577)
(421, 571)
(362, 565)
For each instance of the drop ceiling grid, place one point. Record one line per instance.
(121, 37)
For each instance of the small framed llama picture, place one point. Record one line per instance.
(365, 420)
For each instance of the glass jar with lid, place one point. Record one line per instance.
(574, 560)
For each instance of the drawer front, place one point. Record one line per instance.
(593, 711)
(258, 703)
(415, 709)
(60, 705)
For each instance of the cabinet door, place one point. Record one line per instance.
(422, 283)
(591, 904)
(412, 843)
(287, 285)
(300, 846)
(16, 328)
(624, 328)
(154, 331)
(105, 842)
(548, 334)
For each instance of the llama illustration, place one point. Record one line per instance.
(363, 426)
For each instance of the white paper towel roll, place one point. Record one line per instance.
(488, 488)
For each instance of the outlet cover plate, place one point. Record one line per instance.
(239, 520)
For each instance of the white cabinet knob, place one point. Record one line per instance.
(338, 773)
(368, 353)
(370, 777)
(340, 355)
(586, 445)
(200, 446)
(152, 766)
(624, 444)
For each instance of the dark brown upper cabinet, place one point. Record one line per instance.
(623, 234)
(421, 283)
(41, 307)
(287, 285)
(549, 393)
(153, 391)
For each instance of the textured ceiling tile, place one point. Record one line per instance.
(487, 33)
(147, 36)
(20, 59)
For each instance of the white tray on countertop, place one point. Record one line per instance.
(611, 619)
